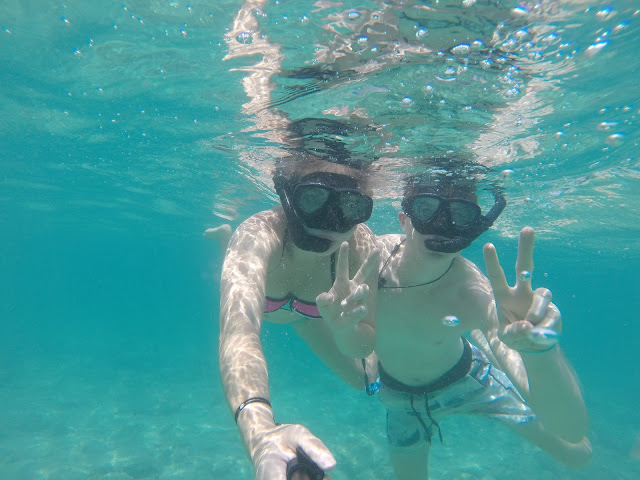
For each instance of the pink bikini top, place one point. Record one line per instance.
(293, 305)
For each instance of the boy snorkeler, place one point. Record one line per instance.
(429, 297)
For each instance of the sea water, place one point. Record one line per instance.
(123, 136)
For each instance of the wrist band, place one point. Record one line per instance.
(248, 401)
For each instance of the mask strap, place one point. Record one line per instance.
(300, 238)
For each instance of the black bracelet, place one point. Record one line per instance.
(251, 400)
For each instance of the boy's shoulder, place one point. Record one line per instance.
(386, 243)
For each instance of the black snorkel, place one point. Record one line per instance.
(455, 240)
(300, 237)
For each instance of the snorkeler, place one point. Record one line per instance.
(276, 264)
(429, 298)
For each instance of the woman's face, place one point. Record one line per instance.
(323, 207)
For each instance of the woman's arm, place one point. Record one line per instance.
(243, 367)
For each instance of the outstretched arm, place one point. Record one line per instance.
(243, 367)
(530, 324)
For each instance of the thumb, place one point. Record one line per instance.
(318, 452)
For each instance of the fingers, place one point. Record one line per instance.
(524, 262)
(368, 272)
(517, 330)
(324, 300)
(539, 306)
(551, 320)
(223, 231)
(358, 296)
(494, 270)
(354, 308)
(318, 452)
(342, 265)
(545, 318)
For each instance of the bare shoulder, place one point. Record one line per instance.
(473, 276)
(363, 240)
(475, 288)
(260, 234)
(386, 243)
(262, 224)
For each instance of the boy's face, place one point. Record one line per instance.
(443, 217)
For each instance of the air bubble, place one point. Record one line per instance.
(245, 38)
(421, 33)
(354, 16)
(461, 49)
(524, 275)
(406, 101)
(450, 321)
(615, 139)
(506, 173)
(605, 126)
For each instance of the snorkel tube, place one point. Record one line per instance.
(465, 238)
(300, 237)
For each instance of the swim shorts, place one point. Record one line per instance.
(472, 387)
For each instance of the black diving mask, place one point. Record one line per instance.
(322, 201)
(329, 201)
(458, 222)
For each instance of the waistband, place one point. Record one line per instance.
(455, 373)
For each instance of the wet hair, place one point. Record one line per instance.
(448, 177)
(325, 138)
(317, 145)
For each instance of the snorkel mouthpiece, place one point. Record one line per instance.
(449, 245)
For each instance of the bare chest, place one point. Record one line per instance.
(425, 317)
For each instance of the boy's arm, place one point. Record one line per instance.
(525, 341)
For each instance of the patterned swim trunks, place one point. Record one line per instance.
(472, 387)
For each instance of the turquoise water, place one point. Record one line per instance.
(123, 136)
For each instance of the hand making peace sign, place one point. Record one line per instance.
(349, 300)
(528, 321)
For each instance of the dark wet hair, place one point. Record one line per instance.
(325, 138)
(318, 144)
(448, 177)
